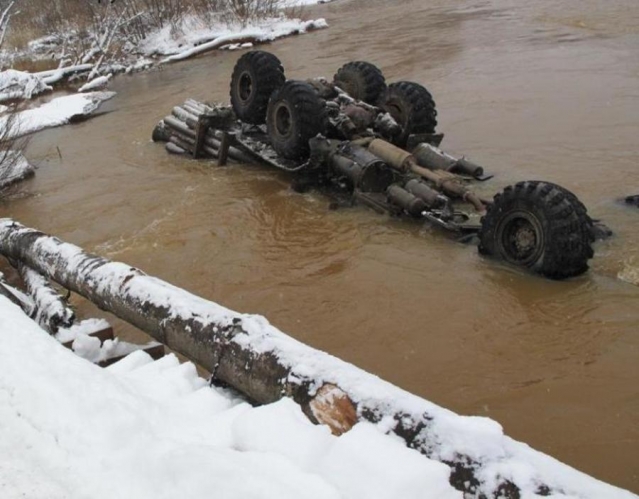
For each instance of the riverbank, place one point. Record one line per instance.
(385, 442)
(107, 46)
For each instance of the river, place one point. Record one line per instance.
(531, 90)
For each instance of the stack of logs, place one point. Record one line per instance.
(195, 128)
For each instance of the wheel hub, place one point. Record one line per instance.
(525, 239)
(245, 87)
(521, 239)
(283, 120)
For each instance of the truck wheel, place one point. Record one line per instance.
(255, 77)
(413, 107)
(362, 81)
(581, 208)
(295, 114)
(540, 226)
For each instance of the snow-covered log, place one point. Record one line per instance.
(54, 76)
(255, 358)
(248, 37)
(20, 85)
(51, 310)
(96, 84)
(212, 45)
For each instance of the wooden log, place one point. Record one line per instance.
(206, 47)
(173, 149)
(53, 76)
(184, 115)
(196, 111)
(204, 108)
(51, 310)
(264, 364)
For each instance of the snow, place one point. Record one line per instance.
(91, 349)
(20, 85)
(445, 435)
(58, 111)
(203, 38)
(55, 75)
(155, 430)
(301, 3)
(99, 82)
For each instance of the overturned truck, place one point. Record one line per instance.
(365, 142)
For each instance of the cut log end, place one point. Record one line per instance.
(333, 407)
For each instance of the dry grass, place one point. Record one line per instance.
(38, 18)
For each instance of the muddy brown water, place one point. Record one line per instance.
(532, 90)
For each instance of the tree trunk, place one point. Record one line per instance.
(264, 364)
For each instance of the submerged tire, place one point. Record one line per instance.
(581, 208)
(295, 114)
(413, 107)
(362, 81)
(256, 76)
(539, 226)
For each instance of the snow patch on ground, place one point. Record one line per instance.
(144, 429)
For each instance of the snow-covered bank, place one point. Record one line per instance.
(194, 36)
(247, 352)
(156, 430)
(59, 111)
(113, 50)
(14, 167)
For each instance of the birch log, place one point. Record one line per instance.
(51, 310)
(264, 364)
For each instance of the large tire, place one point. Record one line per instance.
(295, 114)
(581, 208)
(413, 107)
(362, 81)
(255, 77)
(539, 226)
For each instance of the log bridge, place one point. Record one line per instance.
(249, 355)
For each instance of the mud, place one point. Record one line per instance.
(531, 90)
